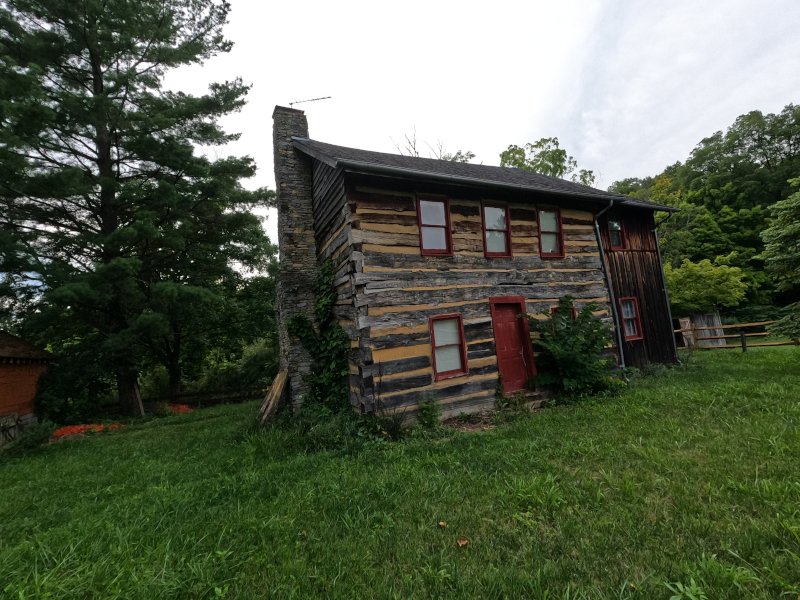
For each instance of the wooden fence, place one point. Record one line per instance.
(694, 336)
(208, 398)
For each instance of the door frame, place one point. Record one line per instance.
(527, 348)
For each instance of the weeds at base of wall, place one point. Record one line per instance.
(30, 438)
(509, 408)
(429, 413)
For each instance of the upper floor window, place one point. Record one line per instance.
(496, 230)
(434, 226)
(449, 349)
(616, 233)
(631, 323)
(551, 241)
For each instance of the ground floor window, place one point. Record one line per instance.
(631, 322)
(449, 348)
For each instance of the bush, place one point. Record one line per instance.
(571, 359)
(429, 413)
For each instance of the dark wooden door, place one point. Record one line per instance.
(514, 356)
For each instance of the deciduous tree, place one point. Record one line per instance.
(782, 254)
(546, 156)
(704, 287)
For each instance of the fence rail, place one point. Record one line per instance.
(694, 341)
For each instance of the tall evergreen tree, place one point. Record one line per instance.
(108, 214)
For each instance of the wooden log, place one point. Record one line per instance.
(382, 249)
(405, 279)
(273, 397)
(434, 295)
(390, 228)
(446, 388)
(394, 218)
(412, 258)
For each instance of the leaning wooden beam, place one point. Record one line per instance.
(273, 398)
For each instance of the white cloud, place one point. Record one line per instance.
(627, 87)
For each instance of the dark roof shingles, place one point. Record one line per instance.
(466, 172)
(12, 346)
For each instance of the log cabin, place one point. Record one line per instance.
(437, 263)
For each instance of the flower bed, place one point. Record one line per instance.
(73, 430)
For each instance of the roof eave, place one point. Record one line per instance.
(366, 168)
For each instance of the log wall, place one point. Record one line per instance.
(395, 290)
(332, 217)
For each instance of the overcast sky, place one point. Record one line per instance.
(627, 87)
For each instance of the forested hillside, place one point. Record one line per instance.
(724, 191)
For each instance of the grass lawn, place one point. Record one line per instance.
(691, 478)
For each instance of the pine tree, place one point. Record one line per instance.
(107, 211)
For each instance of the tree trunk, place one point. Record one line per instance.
(173, 362)
(130, 401)
(174, 371)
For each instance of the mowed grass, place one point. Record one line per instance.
(691, 478)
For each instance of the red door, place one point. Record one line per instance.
(512, 344)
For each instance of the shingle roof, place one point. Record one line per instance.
(12, 346)
(365, 161)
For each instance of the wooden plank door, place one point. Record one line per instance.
(512, 343)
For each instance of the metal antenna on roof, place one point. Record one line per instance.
(311, 100)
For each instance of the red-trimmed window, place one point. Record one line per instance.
(449, 348)
(433, 215)
(496, 230)
(551, 240)
(616, 233)
(631, 322)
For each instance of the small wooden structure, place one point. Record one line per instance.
(21, 366)
(437, 263)
(709, 337)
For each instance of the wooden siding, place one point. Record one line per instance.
(636, 271)
(396, 290)
(18, 381)
(332, 217)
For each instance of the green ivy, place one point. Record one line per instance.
(572, 357)
(327, 344)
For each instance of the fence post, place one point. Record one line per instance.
(744, 341)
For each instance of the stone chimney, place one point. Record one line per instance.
(297, 249)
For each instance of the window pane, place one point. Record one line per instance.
(446, 331)
(550, 243)
(628, 311)
(615, 233)
(434, 238)
(432, 212)
(548, 220)
(448, 359)
(630, 328)
(496, 242)
(494, 217)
